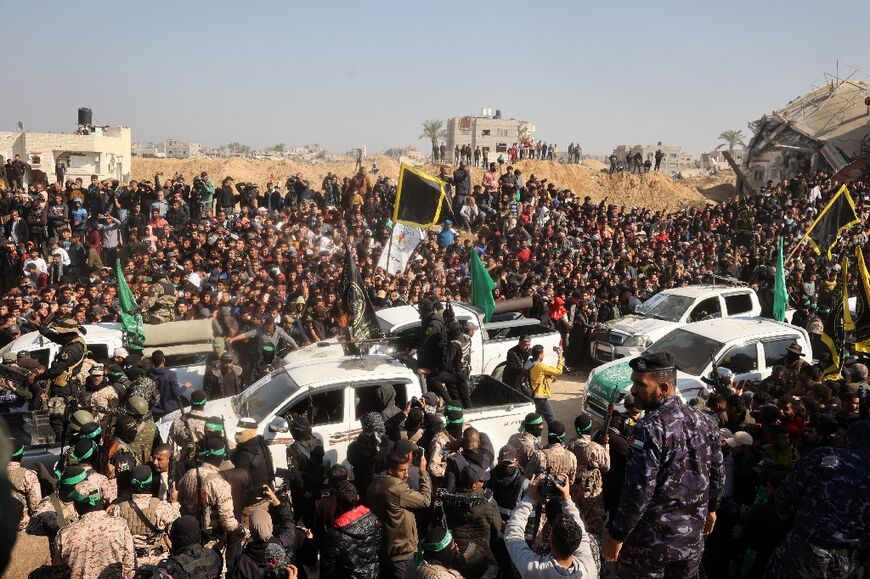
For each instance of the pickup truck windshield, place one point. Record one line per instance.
(665, 307)
(259, 400)
(691, 351)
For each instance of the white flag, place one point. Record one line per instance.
(402, 243)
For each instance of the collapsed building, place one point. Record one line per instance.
(825, 129)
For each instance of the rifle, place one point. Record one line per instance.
(605, 435)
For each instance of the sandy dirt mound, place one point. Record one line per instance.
(648, 190)
(718, 187)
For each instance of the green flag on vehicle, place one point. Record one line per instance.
(131, 318)
(780, 296)
(481, 287)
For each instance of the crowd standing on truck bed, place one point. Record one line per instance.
(754, 479)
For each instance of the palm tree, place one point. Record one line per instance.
(433, 129)
(732, 139)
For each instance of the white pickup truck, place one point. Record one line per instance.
(667, 310)
(186, 345)
(401, 326)
(336, 392)
(749, 347)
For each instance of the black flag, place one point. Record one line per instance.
(362, 319)
(419, 198)
(834, 331)
(861, 323)
(837, 216)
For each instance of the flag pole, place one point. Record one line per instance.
(390, 246)
(794, 249)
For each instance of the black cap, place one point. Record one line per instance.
(185, 532)
(649, 362)
(473, 473)
(227, 357)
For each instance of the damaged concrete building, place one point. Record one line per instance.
(826, 129)
(105, 152)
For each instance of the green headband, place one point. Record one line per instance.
(75, 479)
(459, 420)
(19, 452)
(142, 483)
(88, 454)
(208, 453)
(534, 422)
(214, 427)
(92, 435)
(89, 499)
(194, 403)
(454, 408)
(440, 545)
(582, 431)
(559, 437)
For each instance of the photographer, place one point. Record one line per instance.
(571, 553)
(254, 562)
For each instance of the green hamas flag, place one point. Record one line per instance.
(481, 287)
(780, 296)
(131, 318)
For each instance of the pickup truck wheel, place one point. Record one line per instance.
(498, 373)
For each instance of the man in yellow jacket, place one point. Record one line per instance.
(541, 377)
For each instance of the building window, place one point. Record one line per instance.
(485, 132)
(501, 148)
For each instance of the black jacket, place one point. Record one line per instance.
(253, 455)
(195, 562)
(362, 454)
(516, 359)
(350, 549)
(472, 516)
(167, 384)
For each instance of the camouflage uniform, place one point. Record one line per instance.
(180, 436)
(108, 488)
(674, 476)
(25, 490)
(142, 445)
(145, 388)
(427, 570)
(97, 546)
(104, 398)
(593, 461)
(557, 459)
(150, 546)
(526, 445)
(218, 498)
(829, 494)
(44, 521)
(439, 450)
(158, 306)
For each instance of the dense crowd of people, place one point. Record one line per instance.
(427, 495)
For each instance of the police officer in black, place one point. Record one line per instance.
(305, 463)
(829, 497)
(674, 480)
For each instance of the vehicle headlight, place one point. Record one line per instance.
(642, 342)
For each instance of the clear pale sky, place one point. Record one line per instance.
(344, 74)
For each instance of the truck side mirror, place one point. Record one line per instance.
(278, 424)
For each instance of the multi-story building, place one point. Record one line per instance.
(673, 162)
(181, 149)
(488, 131)
(105, 152)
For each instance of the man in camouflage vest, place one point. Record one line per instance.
(553, 458)
(25, 486)
(146, 430)
(189, 428)
(593, 460)
(527, 441)
(56, 511)
(148, 517)
(159, 306)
